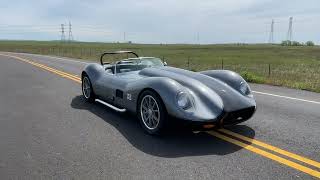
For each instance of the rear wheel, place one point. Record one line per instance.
(151, 112)
(87, 90)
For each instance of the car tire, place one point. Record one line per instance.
(151, 113)
(87, 90)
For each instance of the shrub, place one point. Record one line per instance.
(251, 77)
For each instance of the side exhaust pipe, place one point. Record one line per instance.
(110, 106)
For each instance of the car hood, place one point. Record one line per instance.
(212, 91)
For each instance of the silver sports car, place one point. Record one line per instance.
(154, 91)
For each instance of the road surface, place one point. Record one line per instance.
(48, 131)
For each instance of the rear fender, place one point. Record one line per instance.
(94, 71)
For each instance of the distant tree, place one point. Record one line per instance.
(309, 43)
(295, 43)
(291, 43)
(286, 43)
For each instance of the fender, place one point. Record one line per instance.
(168, 90)
(165, 87)
(94, 71)
(231, 78)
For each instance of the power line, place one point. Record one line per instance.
(271, 32)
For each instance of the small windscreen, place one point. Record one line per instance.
(112, 58)
(136, 64)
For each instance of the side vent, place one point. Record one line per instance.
(119, 93)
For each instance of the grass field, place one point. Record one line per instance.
(295, 67)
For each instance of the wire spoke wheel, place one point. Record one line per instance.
(150, 112)
(86, 87)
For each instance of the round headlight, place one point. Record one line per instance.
(183, 100)
(244, 88)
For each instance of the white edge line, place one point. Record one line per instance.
(292, 98)
(53, 57)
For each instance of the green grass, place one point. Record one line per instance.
(295, 67)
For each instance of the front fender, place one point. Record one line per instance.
(168, 90)
(231, 78)
(234, 80)
(165, 87)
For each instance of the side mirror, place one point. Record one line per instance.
(165, 63)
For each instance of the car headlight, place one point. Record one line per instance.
(244, 88)
(183, 100)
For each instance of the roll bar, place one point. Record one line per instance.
(116, 52)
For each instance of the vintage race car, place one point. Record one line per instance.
(153, 91)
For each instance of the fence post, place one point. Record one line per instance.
(188, 63)
(269, 72)
(222, 63)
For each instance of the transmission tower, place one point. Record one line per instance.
(271, 32)
(63, 37)
(289, 34)
(70, 33)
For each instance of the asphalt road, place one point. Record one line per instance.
(48, 131)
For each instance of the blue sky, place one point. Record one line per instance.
(165, 21)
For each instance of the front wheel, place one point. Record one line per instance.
(151, 112)
(87, 90)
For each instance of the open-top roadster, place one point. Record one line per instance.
(154, 91)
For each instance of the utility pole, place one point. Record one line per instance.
(63, 37)
(271, 32)
(124, 37)
(70, 33)
(289, 34)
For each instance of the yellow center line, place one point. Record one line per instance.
(272, 148)
(267, 154)
(61, 73)
(219, 135)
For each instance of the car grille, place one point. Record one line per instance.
(238, 116)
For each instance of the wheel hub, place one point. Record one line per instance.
(150, 112)
(86, 87)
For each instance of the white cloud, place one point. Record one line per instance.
(154, 21)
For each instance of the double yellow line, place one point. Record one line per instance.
(60, 73)
(246, 143)
(253, 145)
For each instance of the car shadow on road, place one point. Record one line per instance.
(177, 143)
